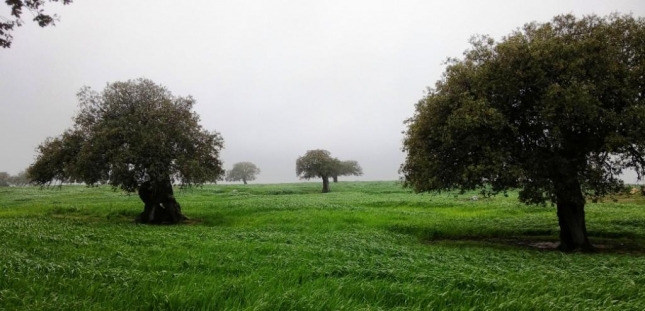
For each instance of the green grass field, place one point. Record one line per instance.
(364, 246)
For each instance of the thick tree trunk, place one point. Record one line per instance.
(160, 204)
(335, 178)
(325, 184)
(571, 217)
(244, 180)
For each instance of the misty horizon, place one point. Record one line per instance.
(274, 79)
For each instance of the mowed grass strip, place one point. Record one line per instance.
(364, 246)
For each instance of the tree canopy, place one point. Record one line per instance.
(133, 135)
(244, 171)
(347, 168)
(317, 164)
(555, 109)
(18, 7)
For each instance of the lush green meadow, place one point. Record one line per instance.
(364, 246)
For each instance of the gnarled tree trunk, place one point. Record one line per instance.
(325, 184)
(244, 180)
(571, 217)
(160, 204)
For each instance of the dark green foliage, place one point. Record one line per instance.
(556, 109)
(57, 158)
(17, 7)
(132, 132)
(317, 164)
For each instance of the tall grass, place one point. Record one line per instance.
(364, 246)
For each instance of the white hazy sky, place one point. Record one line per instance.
(275, 78)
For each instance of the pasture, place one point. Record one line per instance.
(364, 246)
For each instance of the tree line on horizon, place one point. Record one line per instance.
(555, 109)
(20, 179)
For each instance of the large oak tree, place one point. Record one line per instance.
(135, 136)
(556, 109)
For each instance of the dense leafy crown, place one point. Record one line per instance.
(553, 103)
(132, 132)
(350, 167)
(246, 171)
(17, 7)
(316, 163)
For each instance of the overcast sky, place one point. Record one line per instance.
(275, 78)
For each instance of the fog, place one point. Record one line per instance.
(275, 78)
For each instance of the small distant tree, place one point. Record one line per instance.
(317, 164)
(17, 7)
(4, 179)
(135, 136)
(348, 168)
(244, 171)
(20, 179)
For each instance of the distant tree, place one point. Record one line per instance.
(4, 179)
(17, 7)
(135, 136)
(347, 168)
(20, 179)
(317, 164)
(556, 109)
(244, 171)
